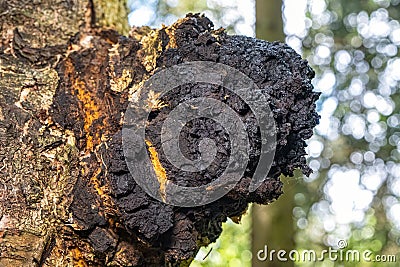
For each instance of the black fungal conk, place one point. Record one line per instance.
(280, 73)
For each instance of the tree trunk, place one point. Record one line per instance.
(269, 23)
(272, 225)
(67, 197)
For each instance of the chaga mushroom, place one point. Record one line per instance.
(111, 214)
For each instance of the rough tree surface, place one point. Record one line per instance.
(66, 196)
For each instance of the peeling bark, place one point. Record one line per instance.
(67, 197)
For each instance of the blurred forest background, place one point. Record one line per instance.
(354, 192)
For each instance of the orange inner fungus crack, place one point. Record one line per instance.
(159, 169)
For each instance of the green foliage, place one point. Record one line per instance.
(354, 48)
(231, 249)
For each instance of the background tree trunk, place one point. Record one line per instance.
(67, 197)
(269, 22)
(272, 225)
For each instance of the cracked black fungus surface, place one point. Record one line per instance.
(282, 75)
(159, 233)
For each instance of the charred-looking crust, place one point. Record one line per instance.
(123, 225)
